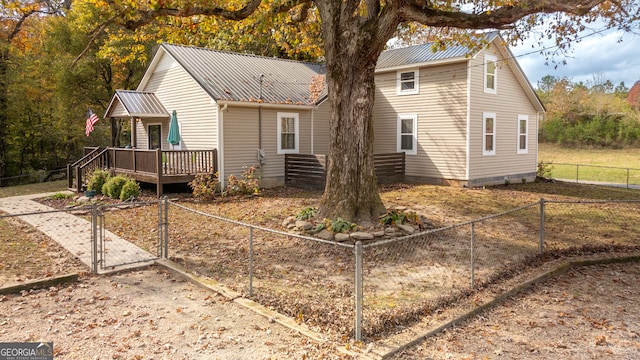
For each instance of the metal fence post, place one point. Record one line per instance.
(94, 237)
(627, 178)
(250, 261)
(577, 172)
(166, 227)
(473, 254)
(358, 291)
(541, 244)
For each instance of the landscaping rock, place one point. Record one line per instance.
(341, 237)
(378, 233)
(288, 221)
(366, 224)
(83, 199)
(406, 228)
(361, 235)
(304, 225)
(325, 234)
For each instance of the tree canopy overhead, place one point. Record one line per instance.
(351, 35)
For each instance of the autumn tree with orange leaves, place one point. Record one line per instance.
(354, 33)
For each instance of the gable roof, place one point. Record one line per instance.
(237, 77)
(135, 104)
(423, 55)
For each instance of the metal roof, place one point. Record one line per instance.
(138, 104)
(420, 54)
(237, 77)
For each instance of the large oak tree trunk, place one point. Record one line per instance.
(351, 53)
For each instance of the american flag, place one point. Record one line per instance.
(92, 119)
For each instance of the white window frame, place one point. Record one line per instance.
(485, 116)
(416, 82)
(524, 118)
(414, 143)
(491, 58)
(296, 129)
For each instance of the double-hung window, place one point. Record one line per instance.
(288, 133)
(408, 82)
(488, 133)
(490, 74)
(523, 136)
(407, 134)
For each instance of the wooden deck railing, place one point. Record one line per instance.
(155, 166)
(306, 170)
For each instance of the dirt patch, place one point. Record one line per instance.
(587, 313)
(148, 314)
(28, 254)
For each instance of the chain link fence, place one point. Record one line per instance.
(595, 174)
(365, 289)
(353, 289)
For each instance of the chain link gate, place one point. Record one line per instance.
(112, 253)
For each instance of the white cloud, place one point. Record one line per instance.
(600, 54)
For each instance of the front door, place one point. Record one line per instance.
(155, 136)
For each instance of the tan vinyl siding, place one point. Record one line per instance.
(196, 111)
(119, 111)
(321, 130)
(142, 138)
(509, 102)
(241, 140)
(441, 109)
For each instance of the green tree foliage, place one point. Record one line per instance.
(588, 115)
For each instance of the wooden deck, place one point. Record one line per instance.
(151, 166)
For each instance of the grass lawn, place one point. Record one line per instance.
(38, 188)
(595, 164)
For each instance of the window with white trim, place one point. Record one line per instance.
(288, 133)
(408, 82)
(488, 133)
(523, 134)
(490, 74)
(408, 134)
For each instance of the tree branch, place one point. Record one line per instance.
(148, 16)
(499, 18)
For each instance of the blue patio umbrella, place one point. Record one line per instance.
(174, 131)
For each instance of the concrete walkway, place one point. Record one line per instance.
(74, 234)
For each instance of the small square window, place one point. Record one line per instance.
(408, 82)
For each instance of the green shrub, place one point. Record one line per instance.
(130, 190)
(341, 225)
(113, 187)
(61, 196)
(97, 180)
(205, 186)
(306, 213)
(544, 170)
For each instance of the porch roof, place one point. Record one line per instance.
(128, 103)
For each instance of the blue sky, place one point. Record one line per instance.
(600, 54)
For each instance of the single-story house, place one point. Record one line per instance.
(461, 117)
